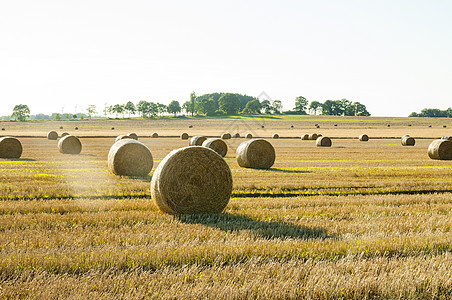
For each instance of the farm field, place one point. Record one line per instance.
(355, 220)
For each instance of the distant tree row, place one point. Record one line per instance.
(341, 107)
(433, 113)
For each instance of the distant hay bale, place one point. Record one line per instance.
(76, 128)
(256, 154)
(249, 136)
(226, 136)
(61, 127)
(184, 136)
(444, 126)
(129, 157)
(291, 126)
(190, 126)
(389, 125)
(217, 145)
(363, 137)
(313, 136)
(305, 137)
(335, 125)
(319, 135)
(52, 135)
(430, 126)
(323, 141)
(112, 128)
(197, 140)
(10, 147)
(64, 134)
(133, 135)
(262, 126)
(70, 145)
(122, 137)
(275, 136)
(440, 149)
(318, 126)
(409, 125)
(447, 138)
(405, 136)
(407, 141)
(3, 129)
(192, 180)
(236, 135)
(154, 135)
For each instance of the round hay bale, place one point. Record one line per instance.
(154, 135)
(319, 135)
(305, 137)
(192, 180)
(318, 126)
(10, 147)
(262, 126)
(408, 141)
(335, 125)
(3, 129)
(275, 136)
(444, 126)
(226, 136)
(70, 145)
(313, 136)
(405, 136)
(129, 157)
(291, 126)
(217, 145)
(197, 140)
(61, 127)
(236, 135)
(112, 128)
(409, 125)
(256, 153)
(389, 125)
(64, 134)
(133, 135)
(184, 136)
(190, 126)
(430, 126)
(440, 149)
(249, 136)
(447, 138)
(363, 137)
(76, 128)
(323, 141)
(122, 137)
(52, 135)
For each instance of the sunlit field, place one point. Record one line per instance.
(355, 220)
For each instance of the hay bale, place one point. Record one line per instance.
(249, 136)
(192, 180)
(407, 140)
(305, 137)
(444, 126)
(76, 128)
(262, 126)
(291, 126)
(335, 125)
(256, 153)
(226, 136)
(112, 128)
(440, 149)
(61, 127)
(236, 135)
(129, 157)
(10, 147)
(70, 145)
(389, 125)
(3, 129)
(405, 136)
(190, 126)
(64, 134)
(429, 126)
(318, 126)
(275, 136)
(133, 135)
(122, 137)
(184, 136)
(197, 140)
(313, 136)
(447, 138)
(52, 135)
(323, 141)
(154, 135)
(363, 137)
(217, 145)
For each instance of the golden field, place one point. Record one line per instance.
(357, 220)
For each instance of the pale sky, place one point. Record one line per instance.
(393, 56)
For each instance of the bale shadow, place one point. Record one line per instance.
(19, 159)
(289, 171)
(264, 229)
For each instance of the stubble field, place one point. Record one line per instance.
(360, 219)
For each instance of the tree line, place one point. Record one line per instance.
(433, 113)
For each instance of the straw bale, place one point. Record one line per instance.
(323, 141)
(52, 135)
(275, 136)
(305, 137)
(256, 153)
(249, 136)
(237, 135)
(313, 136)
(10, 147)
(154, 135)
(440, 149)
(408, 141)
(192, 180)
(70, 145)
(122, 137)
(184, 136)
(130, 157)
(226, 136)
(197, 140)
(363, 137)
(133, 135)
(447, 138)
(217, 145)
(64, 134)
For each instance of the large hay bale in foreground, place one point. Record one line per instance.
(275, 136)
(52, 135)
(363, 137)
(256, 153)
(313, 136)
(129, 157)
(184, 136)
(70, 145)
(249, 136)
(10, 147)
(192, 180)
(226, 136)
(440, 149)
(217, 145)
(408, 141)
(305, 137)
(447, 138)
(197, 140)
(122, 137)
(133, 135)
(154, 135)
(323, 141)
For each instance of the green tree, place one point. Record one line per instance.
(130, 108)
(57, 117)
(192, 103)
(266, 106)
(144, 108)
(206, 106)
(118, 109)
(301, 104)
(91, 110)
(174, 107)
(252, 107)
(21, 112)
(360, 110)
(161, 108)
(229, 103)
(315, 106)
(277, 106)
